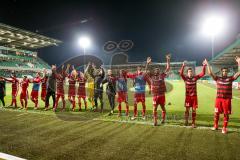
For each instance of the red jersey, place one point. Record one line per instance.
(36, 83)
(191, 83)
(224, 87)
(60, 83)
(72, 85)
(15, 83)
(81, 86)
(24, 85)
(44, 83)
(140, 80)
(158, 86)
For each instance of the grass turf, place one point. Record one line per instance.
(76, 135)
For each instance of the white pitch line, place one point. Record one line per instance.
(167, 125)
(236, 97)
(9, 157)
(22, 114)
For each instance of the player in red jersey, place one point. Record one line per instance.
(140, 80)
(35, 89)
(82, 79)
(24, 92)
(191, 91)
(224, 95)
(72, 79)
(60, 77)
(158, 89)
(15, 86)
(121, 87)
(44, 85)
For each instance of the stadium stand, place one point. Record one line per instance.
(17, 51)
(227, 57)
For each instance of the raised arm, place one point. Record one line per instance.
(182, 70)
(87, 68)
(104, 80)
(168, 57)
(236, 75)
(210, 71)
(200, 75)
(7, 80)
(94, 67)
(148, 80)
(68, 67)
(44, 74)
(94, 72)
(17, 88)
(149, 60)
(103, 72)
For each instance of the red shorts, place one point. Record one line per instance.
(72, 92)
(139, 97)
(34, 94)
(223, 106)
(24, 95)
(82, 94)
(58, 95)
(159, 99)
(43, 94)
(191, 101)
(122, 97)
(14, 94)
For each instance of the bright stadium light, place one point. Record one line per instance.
(84, 42)
(212, 26)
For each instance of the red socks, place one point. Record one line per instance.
(194, 114)
(186, 115)
(163, 115)
(143, 109)
(135, 110)
(225, 120)
(216, 119)
(119, 108)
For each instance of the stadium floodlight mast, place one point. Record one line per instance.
(213, 26)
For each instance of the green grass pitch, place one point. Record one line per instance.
(38, 134)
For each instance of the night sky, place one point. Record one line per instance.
(155, 26)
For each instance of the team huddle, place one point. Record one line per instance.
(92, 81)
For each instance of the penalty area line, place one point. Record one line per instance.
(9, 157)
(164, 125)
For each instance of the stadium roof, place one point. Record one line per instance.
(227, 56)
(19, 38)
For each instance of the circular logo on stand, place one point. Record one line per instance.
(113, 47)
(125, 45)
(110, 46)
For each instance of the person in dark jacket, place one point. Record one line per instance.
(51, 87)
(98, 75)
(2, 90)
(110, 89)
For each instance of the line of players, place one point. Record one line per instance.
(118, 85)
